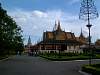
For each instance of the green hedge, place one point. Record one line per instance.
(67, 56)
(62, 54)
(60, 58)
(93, 69)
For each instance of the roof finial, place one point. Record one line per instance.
(81, 32)
(55, 27)
(59, 28)
(58, 22)
(81, 35)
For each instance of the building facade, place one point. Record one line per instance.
(59, 40)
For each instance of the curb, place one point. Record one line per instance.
(84, 73)
(5, 58)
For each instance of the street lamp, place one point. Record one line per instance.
(89, 26)
(88, 11)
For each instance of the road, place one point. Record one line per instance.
(26, 65)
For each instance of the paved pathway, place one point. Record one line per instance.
(25, 65)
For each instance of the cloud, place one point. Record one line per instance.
(34, 22)
(39, 14)
(73, 1)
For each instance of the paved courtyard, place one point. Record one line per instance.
(26, 65)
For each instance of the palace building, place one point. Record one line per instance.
(59, 40)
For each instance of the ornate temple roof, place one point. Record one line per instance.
(60, 36)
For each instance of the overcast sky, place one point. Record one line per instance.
(36, 16)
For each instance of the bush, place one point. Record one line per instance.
(96, 65)
(63, 58)
(91, 69)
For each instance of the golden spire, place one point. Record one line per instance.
(55, 27)
(81, 35)
(59, 27)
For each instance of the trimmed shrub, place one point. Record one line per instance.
(91, 69)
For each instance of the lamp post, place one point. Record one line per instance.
(90, 59)
(88, 11)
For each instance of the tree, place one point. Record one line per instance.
(10, 34)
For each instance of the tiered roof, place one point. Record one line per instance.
(58, 35)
